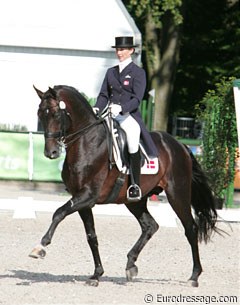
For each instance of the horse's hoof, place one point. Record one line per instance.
(131, 273)
(38, 252)
(193, 283)
(92, 282)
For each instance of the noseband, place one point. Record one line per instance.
(63, 139)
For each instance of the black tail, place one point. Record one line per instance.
(203, 202)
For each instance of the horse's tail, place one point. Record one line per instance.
(203, 202)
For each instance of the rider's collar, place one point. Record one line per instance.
(124, 63)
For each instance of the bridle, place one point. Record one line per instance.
(64, 139)
(62, 132)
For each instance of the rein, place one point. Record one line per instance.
(61, 134)
(76, 135)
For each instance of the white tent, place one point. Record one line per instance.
(53, 42)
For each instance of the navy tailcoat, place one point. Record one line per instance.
(127, 89)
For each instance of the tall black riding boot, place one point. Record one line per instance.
(134, 192)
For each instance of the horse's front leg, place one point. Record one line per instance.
(87, 218)
(39, 251)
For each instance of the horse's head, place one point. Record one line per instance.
(55, 120)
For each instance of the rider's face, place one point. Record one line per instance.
(124, 53)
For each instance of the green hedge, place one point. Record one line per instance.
(219, 136)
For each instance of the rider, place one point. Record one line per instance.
(122, 91)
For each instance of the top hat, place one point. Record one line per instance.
(124, 42)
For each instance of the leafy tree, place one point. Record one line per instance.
(159, 22)
(188, 46)
(210, 50)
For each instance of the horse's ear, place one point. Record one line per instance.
(52, 92)
(39, 93)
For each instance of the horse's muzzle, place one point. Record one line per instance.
(54, 154)
(52, 151)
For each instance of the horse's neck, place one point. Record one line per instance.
(86, 137)
(85, 125)
(81, 119)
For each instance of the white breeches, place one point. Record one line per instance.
(132, 129)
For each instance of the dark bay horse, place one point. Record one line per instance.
(67, 118)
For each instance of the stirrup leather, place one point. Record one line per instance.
(137, 195)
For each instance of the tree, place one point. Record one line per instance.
(219, 137)
(188, 46)
(210, 50)
(159, 22)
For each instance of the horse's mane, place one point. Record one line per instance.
(75, 92)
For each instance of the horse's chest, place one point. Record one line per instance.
(77, 171)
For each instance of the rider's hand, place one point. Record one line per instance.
(115, 110)
(95, 110)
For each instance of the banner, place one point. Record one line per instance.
(14, 155)
(22, 158)
(45, 169)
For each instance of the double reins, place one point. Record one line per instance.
(76, 135)
(65, 140)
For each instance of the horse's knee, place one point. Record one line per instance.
(58, 215)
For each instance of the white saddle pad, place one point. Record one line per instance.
(150, 166)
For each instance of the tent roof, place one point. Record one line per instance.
(65, 24)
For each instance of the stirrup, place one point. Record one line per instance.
(134, 193)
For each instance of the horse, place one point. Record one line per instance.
(68, 119)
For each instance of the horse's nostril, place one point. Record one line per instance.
(54, 154)
(51, 154)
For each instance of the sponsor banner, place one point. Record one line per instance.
(22, 158)
(45, 169)
(14, 155)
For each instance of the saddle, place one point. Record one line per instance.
(118, 150)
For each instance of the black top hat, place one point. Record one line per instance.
(124, 42)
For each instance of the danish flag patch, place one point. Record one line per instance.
(151, 164)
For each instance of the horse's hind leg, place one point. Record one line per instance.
(180, 203)
(87, 218)
(148, 225)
